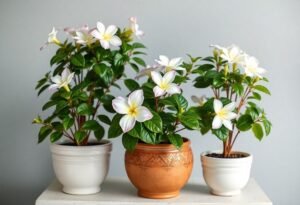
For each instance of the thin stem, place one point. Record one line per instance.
(235, 137)
(180, 130)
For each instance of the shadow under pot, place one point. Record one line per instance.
(226, 176)
(159, 171)
(81, 169)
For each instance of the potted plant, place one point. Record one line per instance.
(85, 70)
(158, 159)
(236, 81)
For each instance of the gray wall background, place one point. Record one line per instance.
(267, 29)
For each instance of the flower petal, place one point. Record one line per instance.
(111, 30)
(175, 62)
(96, 34)
(217, 123)
(229, 107)
(65, 74)
(143, 114)
(127, 123)
(227, 124)
(53, 87)
(231, 115)
(156, 77)
(100, 27)
(115, 41)
(158, 91)
(136, 98)
(70, 77)
(120, 105)
(173, 89)
(163, 60)
(169, 77)
(104, 44)
(217, 105)
(56, 79)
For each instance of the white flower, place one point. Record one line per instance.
(251, 67)
(62, 81)
(200, 100)
(133, 110)
(173, 64)
(219, 48)
(164, 84)
(83, 36)
(107, 36)
(232, 54)
(224, 115)
(52, 36)
(135, 27)
(147, 71)
(51, 39)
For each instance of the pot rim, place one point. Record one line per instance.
(59, 148)
(145, 146)
(248, 155)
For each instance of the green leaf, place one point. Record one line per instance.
(139, 61)
(105, 73)
(105, 119)
(58, 57)
(85, 109)
(48, 105)
(267, 125)
(55, 136)
(99, 132)
(262, 89)
(221, 133)
(238, 88)
(203, 68)
(118, 60)
(134, 67)
(202, 82)
(41, 83)
(60, 106)
(91, 125)
(115, 129)
(190, 120)
(255, 96)
(131, 84)
(176, 140)
(42, 89)
(257, 131)
(107, 102)
(154, 124)
(79, 136)
(138, 45)
(44, 132)
(244, 123)
(68, 122)
(142, 133)
(129, 142)
(78, 60)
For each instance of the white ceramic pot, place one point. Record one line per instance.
(226, 176)
(81, 169)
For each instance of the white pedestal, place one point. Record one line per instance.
(119, 191)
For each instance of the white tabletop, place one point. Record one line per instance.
(119, 191)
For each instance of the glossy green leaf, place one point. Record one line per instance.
(90, 125)
(154, 124)
(221, 133)
(131, 84)
(176, 140)
(267, 125)
(44, 132)
(129, 142)
(99, 132)
(85, 109)
(115, 129)
(68, 122)
(244, 123)
(139, 61)
(263, 89)
(79, 136)
(78, 60)
(105, 119)
(257, 131)
(55, 136)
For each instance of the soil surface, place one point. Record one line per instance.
(89, 144)
(233, 155)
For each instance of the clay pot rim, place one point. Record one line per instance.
(141, 146)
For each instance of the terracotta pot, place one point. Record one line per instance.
(226, 176)
(159, 171)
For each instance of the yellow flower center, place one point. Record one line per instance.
(164, 86)
(107, 37)
(168, 68)
(133, 111)
(222, 114)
